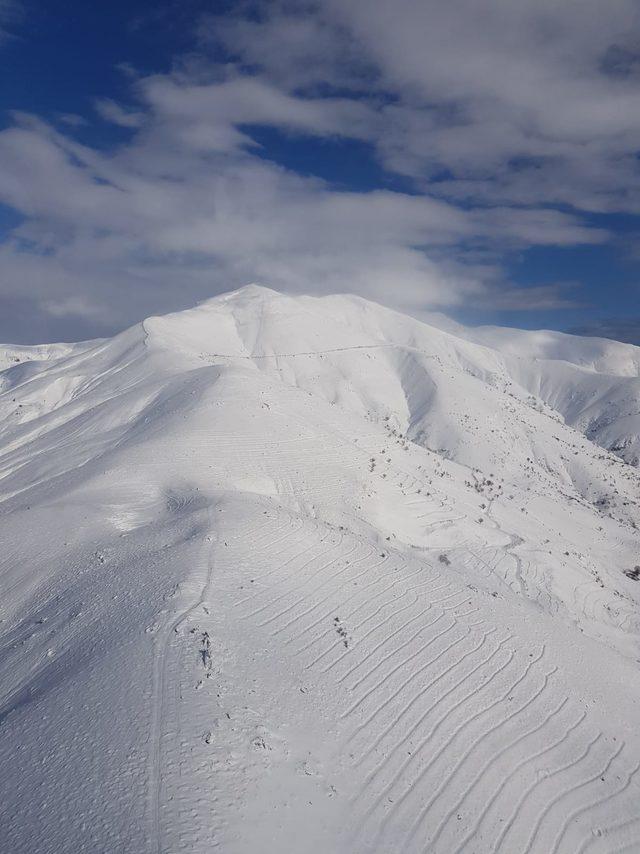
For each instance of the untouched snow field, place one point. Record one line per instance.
(305, 575)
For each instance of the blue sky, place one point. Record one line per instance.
(477, 158)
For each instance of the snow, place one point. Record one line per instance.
(304, 574)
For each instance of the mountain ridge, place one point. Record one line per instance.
(334, 596)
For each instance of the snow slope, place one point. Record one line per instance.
(298, 574)
(592, 382)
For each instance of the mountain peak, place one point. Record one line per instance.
(251, 291)
(317, 574)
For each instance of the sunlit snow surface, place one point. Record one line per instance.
(305, 575)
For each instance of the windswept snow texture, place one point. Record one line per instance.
(305, 575)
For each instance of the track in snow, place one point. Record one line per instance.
(445, 714)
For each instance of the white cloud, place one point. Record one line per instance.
(505, 95)
(485, 95)
(165, 214)
(113, 112)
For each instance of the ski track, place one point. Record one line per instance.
(158, 702)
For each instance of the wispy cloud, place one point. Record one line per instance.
(537, 298)
(114, 112)
(11, 13)
(526, 103)
(510, 120)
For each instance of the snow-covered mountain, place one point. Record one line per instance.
(295, 574)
